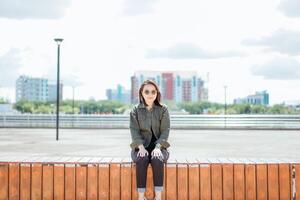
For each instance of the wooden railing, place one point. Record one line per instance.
(106, 178)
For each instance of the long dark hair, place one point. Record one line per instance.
(158, 96)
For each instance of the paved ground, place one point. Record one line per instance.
(264, 144)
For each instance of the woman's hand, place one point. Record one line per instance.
(157, 153)
(142, 151)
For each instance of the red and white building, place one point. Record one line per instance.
(177, 86)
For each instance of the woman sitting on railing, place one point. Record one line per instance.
(149, 127)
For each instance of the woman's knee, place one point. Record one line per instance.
(140, 159)
(156, 161)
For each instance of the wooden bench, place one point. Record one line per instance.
(106, 178)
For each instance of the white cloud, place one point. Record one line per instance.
(33, 9)
(290, 8)
(10, 64)
(282, 41)
(138, 7)
(189, 51)
(278, 69)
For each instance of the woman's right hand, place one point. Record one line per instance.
(142, 151)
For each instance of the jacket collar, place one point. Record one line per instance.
(142, 105)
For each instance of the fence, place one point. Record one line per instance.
(177, 121)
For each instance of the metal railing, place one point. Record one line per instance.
(177, 121)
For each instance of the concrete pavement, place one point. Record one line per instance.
(239, 144)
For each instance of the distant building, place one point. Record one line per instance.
(259, 98)
(35, 89)
(119, 94)
(177, 86)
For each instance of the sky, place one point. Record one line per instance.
(248, 46)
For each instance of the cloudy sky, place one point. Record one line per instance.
(247, 45)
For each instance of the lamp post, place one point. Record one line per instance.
(58, 41)
(73, 87)
(225, 105)
(73, 112)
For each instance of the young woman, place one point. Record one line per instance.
(149, 127)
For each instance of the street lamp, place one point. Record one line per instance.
(225, 105)
(73, 87)
(58, 41)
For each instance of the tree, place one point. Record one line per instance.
(24, 106)
(3, 101)
(258, 109)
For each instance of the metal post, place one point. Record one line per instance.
(225, 106)
(73, 102)
(57, 86)
(73, 108)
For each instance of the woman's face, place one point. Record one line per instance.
(149, 93)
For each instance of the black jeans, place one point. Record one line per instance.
(157, 169)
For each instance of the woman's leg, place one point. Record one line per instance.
(141, 171)
(158, 173)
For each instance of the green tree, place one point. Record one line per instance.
(3, 101)
(242, 108)
(44, 109)
(258, 109)
(24, 106)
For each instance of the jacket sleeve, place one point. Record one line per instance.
(136, 136)
(164, 129)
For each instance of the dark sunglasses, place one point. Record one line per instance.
(147, 92)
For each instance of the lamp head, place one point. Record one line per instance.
(58, 40)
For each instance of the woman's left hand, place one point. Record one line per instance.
(157, 153)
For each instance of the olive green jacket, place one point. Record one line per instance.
(141, 122)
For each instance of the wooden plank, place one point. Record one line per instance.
(182, 181)
(103, 181)
(171, 181)
(205, 182)
(297, 177)
(216, 181)
(36, 181)
(4, 181)
(163, 194)
(70, 181)
(14, 181)
(273, 181)
(284, 181)
(194, 182)
(228, 181)
(81, 177)
(261, 181)
(149, 194)
(134, 192)
(250, 182)
(48, 182)
(59, 181)
(239, 181)
(115, 181)
(126, 181)
(25, 181)
(92, 182)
